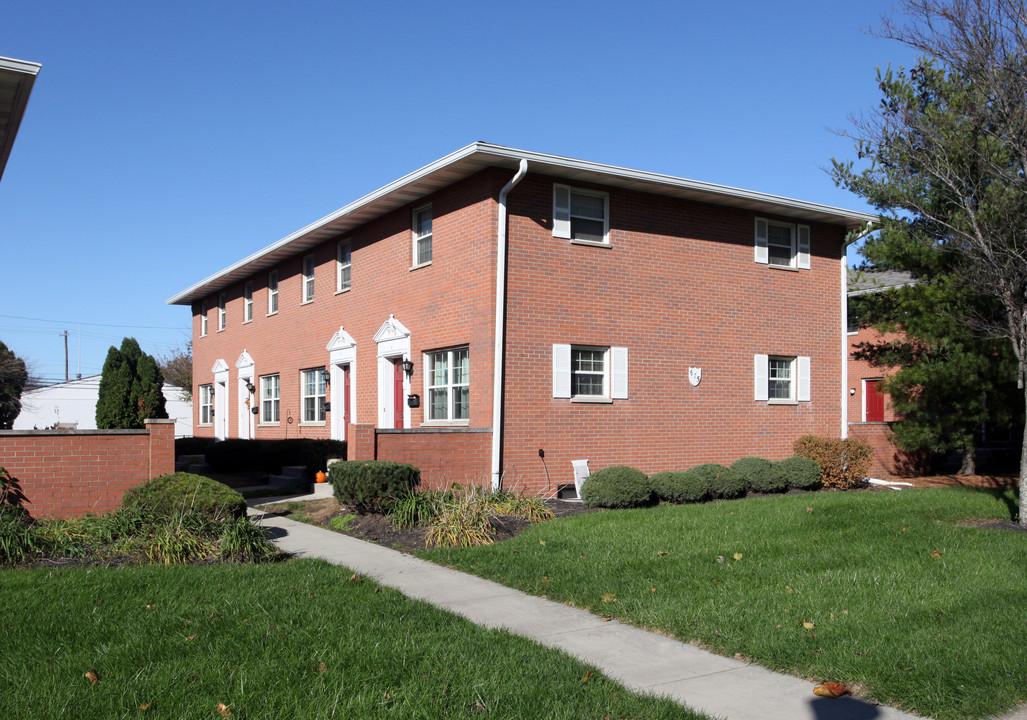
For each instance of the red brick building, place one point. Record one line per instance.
(498, 314)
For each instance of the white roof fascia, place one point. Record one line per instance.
(477, 156)
(22, 74)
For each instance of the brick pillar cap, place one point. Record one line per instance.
(159, 421)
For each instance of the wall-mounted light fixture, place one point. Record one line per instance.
(408, 366)
(852, 391)
(250, 386)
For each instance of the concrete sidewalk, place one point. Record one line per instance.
(640, 660)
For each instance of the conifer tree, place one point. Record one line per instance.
(130, 388)
(13, 377)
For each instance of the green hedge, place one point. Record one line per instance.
(724, 482)
(798, 472)
(616, 486)
(759, 475)
(372, 486)
(679, 487)
(173, 495)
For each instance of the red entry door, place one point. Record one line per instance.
(346, 414)
(875, 401)
(397, 394)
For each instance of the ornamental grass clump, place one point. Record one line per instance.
(616, 486)
(679, 487)
(758, 475)
(724, 483)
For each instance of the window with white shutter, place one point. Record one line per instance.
(779, 244)
(781, 379)
(590, 373)
(582, 216)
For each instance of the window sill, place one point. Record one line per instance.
(247, 322)
(593, 400)
(307, 302)
(204, 424)
(786, 268)
(344, 290)
(782, 402)
(591, 243)
(446, 423)
(418, 267)
(269, 424)
(272, 314)
(320, 423)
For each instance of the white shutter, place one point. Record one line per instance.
(762, 254)
(561, 371)
(803, 231)
(802, 389)
(760, 365)
(561, 211)
(619, 374)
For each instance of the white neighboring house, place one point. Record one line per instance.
(72, 405)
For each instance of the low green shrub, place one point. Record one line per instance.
(758, 474)
(843, 463)
(724, 483)
(798, 472)
(182, 493)
(372, 486)
(679, 487)
(616, 486)
(192, 445)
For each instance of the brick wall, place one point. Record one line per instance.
(860, 370)
(65, 473)
(889, 461)
(443, 456)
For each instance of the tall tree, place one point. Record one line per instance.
(13, 377)
(946, 155)
(177, 367)
(130, 388)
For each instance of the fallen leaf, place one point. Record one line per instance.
(224, 711)
(830, 690)
(778, 627)
(789, 589)
(809, 509)
(652, 589)
(605, 619)
(609, 597)
(355, 578)
(936, 554)
(191, 637)
(144, 706)
(92, 677)
(322, 668)
(808, 625)
(148, 607)
(377, 590)
(738, 556)
(541, 542)
(545, 579)
(588, 676)
(662, 552)
(739, 656)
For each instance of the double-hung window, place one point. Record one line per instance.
(269, 399)
(581, 215)
(782, 379)
(272, 292)
(203, 318)
(308, 279)
(206, 404)
(588, 373)
(247, 302)
(343, 266)
(422, 235)
(448, 384)
(222, 302)
(780, 244)
(312, 387)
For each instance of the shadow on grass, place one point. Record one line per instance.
(999, 489)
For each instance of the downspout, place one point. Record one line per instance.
(852, 238)
(497, 362)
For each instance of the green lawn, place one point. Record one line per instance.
(883, 589)
(300, 639)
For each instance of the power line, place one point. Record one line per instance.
(74, 322)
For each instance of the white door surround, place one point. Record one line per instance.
(220, 371)
(393, 344)
(342, 356)
(246, 399)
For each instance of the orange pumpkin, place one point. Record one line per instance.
(320, 477)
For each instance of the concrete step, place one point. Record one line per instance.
(187, 459)
(323, 490)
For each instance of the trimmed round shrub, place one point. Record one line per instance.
(759, 475)
(616, 486)
(182, 493)
(679, 487)
(372, 486)
(724, 482)
(798, 472)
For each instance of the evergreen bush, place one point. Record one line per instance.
(798, 472)
(372, 486)
(178, 494)
(131, 388)
(616, 486)
(759, 475)
(724, 482)
(679, 487)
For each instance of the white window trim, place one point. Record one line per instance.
(275, 400)
(449, 420)
(562, 217)
(303, 397)
(615, 372)
(272, 292)
(343, 249)
(800, 244)
(203, 318)
(206, 401)
(307, 289)
(222, 311)
(247, 302)
(417, 238)
(800, 384)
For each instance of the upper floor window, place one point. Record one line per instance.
(781, 244)
(222, 302)
(343, 266)
(581, 215)
(272, 292)
(448, 384)
(203, 318)
(269, 399)
(247, 302)
(308, 278)
(312, 388)
(206, 404)
(422, 235)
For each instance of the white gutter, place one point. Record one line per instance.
(866, 230)
(497, 362)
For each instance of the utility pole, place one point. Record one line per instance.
(65, 335)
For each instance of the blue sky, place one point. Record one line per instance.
(165, 140)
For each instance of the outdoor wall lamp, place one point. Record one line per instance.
(326, 375)
(250, 386)
(408, 366)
